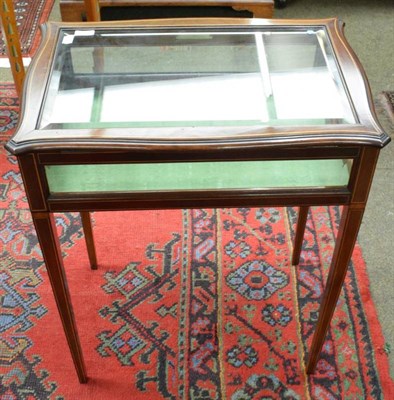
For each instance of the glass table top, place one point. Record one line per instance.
(103, 78)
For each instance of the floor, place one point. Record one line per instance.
(370, 31)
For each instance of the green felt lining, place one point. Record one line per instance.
(197, 175)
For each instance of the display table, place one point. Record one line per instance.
(196, 113)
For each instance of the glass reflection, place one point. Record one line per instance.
(124, 79)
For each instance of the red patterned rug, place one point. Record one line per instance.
(29, 15)
(197, 304)
(9, 108)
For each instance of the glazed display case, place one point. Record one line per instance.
(196, 113)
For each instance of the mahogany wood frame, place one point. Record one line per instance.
(360, 142)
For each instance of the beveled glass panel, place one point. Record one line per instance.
(220, 77)
(197, 176)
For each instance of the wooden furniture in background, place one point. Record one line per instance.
(91, 10)
(74, 10)
(196, 114)
(11, 39)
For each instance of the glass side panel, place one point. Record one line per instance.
(260, 76)
(197, 175)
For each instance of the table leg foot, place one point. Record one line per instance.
(88, 232)
(50, 247)
(299, 234)
(347, 235)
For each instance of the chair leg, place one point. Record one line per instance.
(88, 231)
(92, 9)
(299, 234)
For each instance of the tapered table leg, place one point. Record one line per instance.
(47, 237)
(88, 232)
(347, 235)
(299, 234)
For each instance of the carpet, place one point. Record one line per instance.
(186, 304)
(387, 100)
(9, 110)
(29, 15)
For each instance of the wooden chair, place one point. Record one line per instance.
(12, 43)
